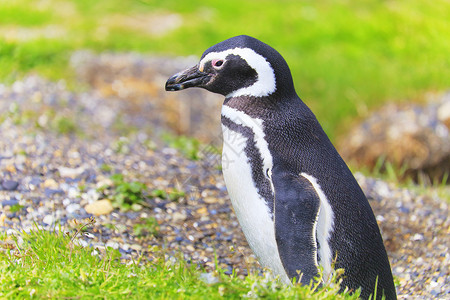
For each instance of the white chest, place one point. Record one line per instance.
(251, 210)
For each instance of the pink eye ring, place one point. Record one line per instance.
(217, 63)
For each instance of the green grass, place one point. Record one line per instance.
(50, 264)
(347, 57)
(188, 146)
(124, 194)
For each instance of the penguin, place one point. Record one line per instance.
(298, 204)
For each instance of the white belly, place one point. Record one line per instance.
(251, 210)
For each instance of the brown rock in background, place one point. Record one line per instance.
(412, 137)
(139, 80)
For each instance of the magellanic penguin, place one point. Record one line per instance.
(297, 202)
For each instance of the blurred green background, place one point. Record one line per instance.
(347, 57)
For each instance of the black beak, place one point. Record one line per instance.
(191, 77)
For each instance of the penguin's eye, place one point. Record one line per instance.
(217, 63)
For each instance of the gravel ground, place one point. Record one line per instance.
(58, 147)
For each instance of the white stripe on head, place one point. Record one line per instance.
(265, 84)
(325, 222)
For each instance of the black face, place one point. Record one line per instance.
(221, 76)
(227, 67)
(229, 74)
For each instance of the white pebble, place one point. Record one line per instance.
(417, 237)
(66, 202)
(72, 192)
(48, 219)
(208, 278)
(114, 245)
(82, 243)
(73, 208)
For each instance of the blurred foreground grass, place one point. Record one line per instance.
(347, 57)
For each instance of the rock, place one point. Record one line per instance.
(2, 219)
(178, 217)
(443, 113)
(71, 208)
(208, 278)
(100, 207)
(48, 219)
(71, 172)
(414, 138)
(10, 202)
(136, 247)
(210, 200)
(112, 244)
(10, 185)
(50, 183)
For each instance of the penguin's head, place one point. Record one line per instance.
(239, 66)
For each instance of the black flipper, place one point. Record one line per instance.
(296, 210)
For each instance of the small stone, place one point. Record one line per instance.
(91, 195)
(71, 208)
(112, 244)
(417, 237)
(100, 207)
(176, 217)
(10, 185)
(34, 182)
(72, 192)
(50, 183)
(104, 182)
(51, 192)
(136, 247)
(210, 200)
(10, 202)
(11, 169)
(48, 219)
(208, 278)
(71, 172)
(202, 211)
(82, 243)
(2, 219)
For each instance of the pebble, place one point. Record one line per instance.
(100, 207)
(50, 183)
(71, 172)
(71, 208)
(10, 185)
(48, 220)
(10, 202)
(136, 247)
(417, 237)
(208, 278)
(112, 244)
(178, 217)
